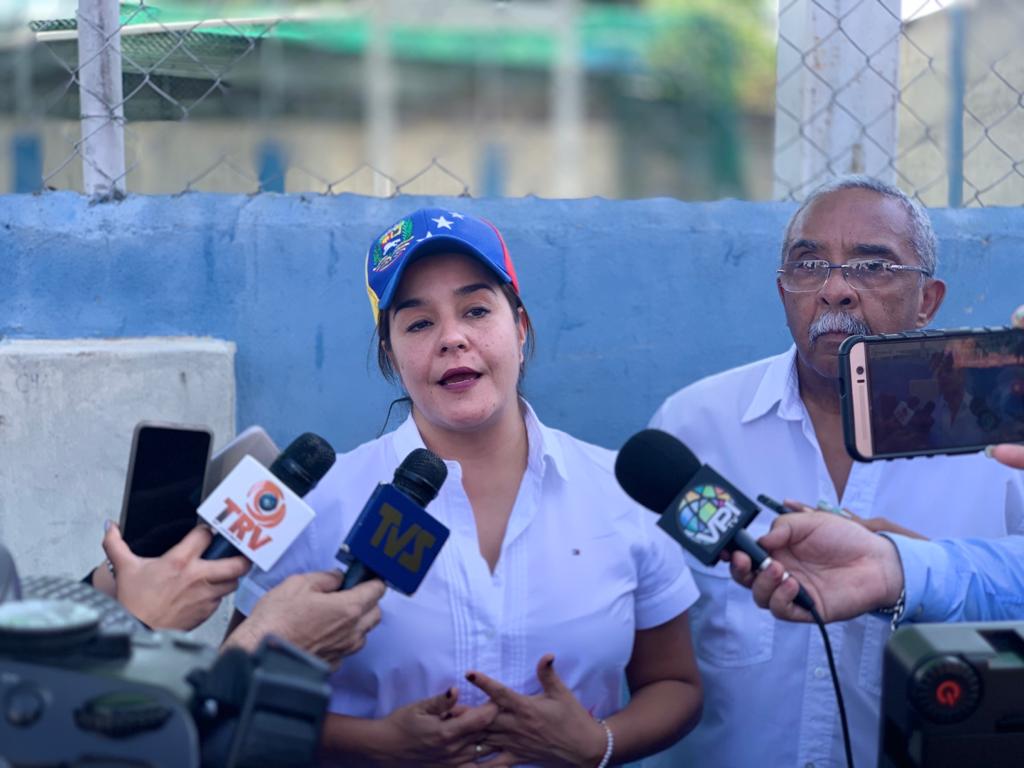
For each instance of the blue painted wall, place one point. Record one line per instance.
(631, 300)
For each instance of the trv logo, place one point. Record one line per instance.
(264, 508)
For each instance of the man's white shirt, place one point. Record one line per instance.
(768, 696)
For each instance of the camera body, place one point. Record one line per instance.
(82, 686)
(952, 696)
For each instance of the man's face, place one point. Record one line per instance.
(842, 226)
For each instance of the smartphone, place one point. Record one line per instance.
(253, 441)
(166, 470)
(775, 506)
(923, 393)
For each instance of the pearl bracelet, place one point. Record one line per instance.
(607, 759)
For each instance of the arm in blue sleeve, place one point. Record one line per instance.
(962, 579)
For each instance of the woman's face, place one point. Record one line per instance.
(456, 343)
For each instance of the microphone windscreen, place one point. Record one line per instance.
(304, 462)
(420, 476)
(653, 467)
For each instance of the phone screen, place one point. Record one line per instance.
(164, 486)
(946, 393)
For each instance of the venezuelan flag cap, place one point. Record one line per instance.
(430, 231)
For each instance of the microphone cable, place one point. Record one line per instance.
(835, 684)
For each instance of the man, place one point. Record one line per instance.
(858, 257)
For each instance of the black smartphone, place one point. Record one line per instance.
(775, 506)
(164, 485)
(924, 393)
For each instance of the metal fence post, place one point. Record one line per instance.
(837, 92)
(957, 85)
(100, 89)
(379, 92)
(567, 101)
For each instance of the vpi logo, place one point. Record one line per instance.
(264, 508)
(706, 513)
(390, 537)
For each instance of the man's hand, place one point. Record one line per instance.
(177, 590)
(307, 610)
(846, 569)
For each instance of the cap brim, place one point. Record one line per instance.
(431, 246)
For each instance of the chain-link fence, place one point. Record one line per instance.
(924, 93)
(557, 98)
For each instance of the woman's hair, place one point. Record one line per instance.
(382, 336)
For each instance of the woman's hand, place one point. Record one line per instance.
(435, 732)
(551, 728)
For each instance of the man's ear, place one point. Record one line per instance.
(932, 294)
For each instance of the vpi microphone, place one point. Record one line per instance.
(699, 508)
(259, 512)
(394, 539)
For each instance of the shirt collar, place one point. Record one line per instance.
(545, 449)
(779, 386)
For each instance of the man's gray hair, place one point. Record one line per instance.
(922, 236)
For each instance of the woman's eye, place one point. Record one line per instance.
(478, 312)
(419, 325)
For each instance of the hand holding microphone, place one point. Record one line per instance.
(699, 508)
(177, 590)
(846, 569)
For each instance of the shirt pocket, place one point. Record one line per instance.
(729, 630)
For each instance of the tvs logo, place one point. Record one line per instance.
(264, 508)
(395, 542)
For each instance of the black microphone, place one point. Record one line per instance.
(300, 466)
(699, 508)
(394, 539)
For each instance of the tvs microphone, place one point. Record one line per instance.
(258, 512)
(394, 538)
(699, 508)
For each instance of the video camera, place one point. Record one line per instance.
(83, 684)
(953, 695)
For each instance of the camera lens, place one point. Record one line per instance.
(860, 370)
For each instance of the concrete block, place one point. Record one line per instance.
(67, 411)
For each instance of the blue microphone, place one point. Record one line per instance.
(394, 539)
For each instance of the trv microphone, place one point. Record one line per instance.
(259, 512)
(699, 508)
(394, 539)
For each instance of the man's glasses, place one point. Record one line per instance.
(861, 274)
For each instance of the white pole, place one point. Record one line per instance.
(567, 102)
(379, 92)
(837, 92)
(100, 91)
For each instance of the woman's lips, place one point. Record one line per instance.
(459, 378)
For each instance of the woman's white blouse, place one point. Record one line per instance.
(581, 569)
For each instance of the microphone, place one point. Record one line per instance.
(394, 539)
(251, 500)
(699, 508)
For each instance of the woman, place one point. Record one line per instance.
(552, 583)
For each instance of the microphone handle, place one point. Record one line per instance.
(746, 543)
(356, 574)
(219, 548)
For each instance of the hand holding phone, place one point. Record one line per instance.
(164, 481)
(924, 393)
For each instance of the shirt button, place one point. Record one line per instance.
(819, 672)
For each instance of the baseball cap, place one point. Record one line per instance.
(427, 231)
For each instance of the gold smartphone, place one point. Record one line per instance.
(923, 393)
